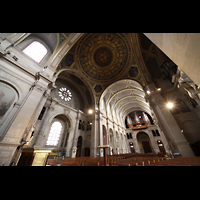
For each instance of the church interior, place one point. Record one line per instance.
(99, 99)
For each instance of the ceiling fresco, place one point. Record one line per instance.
(102, 59)
(103, 56)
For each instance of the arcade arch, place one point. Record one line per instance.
(123, 97)
(144, 142)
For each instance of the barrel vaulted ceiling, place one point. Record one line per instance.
(125, 96)
(104, 58)
(112, 65)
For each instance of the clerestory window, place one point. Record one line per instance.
(36, 51)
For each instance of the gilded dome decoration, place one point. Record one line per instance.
(103, 56)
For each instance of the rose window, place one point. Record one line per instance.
(64, 94)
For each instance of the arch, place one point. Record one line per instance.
(127, 135)
(58, 113)
(12, 84)
(124, 96)
(7, 103)
(54, 134)
(153, 132)
(36, 51)
(144, 142)
(157, 132)
(44, 39)
(56, 58)
(64, 135)
(8, 95)
(80, 79)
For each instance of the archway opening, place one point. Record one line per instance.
(144, 143)
(79, 145)
(123, 97)
(73, 90)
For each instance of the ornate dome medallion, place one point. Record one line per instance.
(102, 56)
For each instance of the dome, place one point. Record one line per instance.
(103, 56)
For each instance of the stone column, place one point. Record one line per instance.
(135, 143)
(169, 125)
(100, 119)
(114, 140)
(96, 134)
(74, 146)
(27, 112)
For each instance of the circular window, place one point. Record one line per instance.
(64, 94)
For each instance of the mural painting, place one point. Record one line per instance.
(7, 97)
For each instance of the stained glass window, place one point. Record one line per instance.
(65, 94)
(54, 134)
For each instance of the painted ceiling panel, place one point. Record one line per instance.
(118, 86)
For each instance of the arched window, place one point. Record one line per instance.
(153, 132)
(36, 51)
(127, 135)
(54, 134)
(157, 133)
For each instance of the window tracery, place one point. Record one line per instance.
(65, 94)
(54, 134)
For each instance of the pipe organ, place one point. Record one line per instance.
(138, 122)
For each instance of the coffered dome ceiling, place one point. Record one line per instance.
(103, 56)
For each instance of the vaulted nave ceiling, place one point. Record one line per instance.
(117, 68)
(125, 96)
(104, 58)
(113, 66)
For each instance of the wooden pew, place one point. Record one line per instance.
(137, 161)
(179, 161)
(74, 161)
(52, 162)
